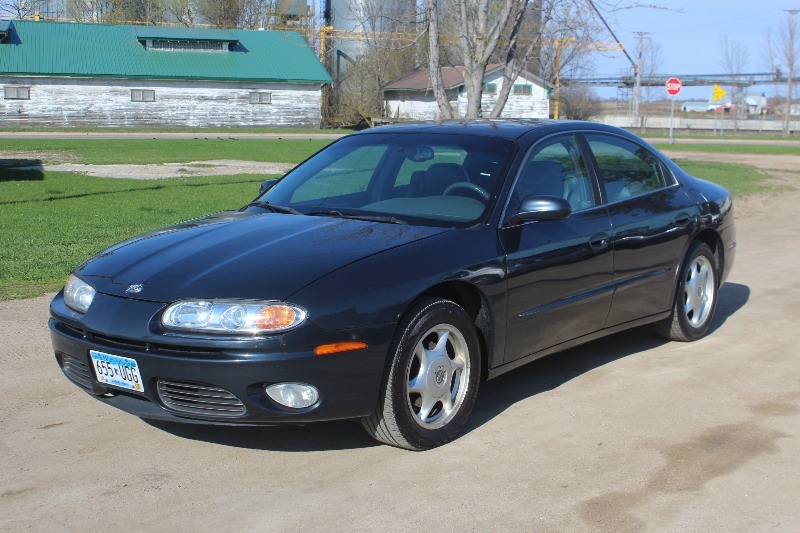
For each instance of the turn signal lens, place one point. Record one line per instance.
(235, 316)
(336, 347)
(275, 317)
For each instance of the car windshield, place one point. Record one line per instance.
(422, 179)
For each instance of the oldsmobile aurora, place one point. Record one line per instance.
(389, 274)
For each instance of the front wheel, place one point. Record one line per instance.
(431, 385)
(696, 297)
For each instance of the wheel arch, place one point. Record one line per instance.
(473, 301)
(714, 241)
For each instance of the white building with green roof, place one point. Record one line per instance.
(76, 74)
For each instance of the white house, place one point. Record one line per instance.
(411, 97)
(65, 74)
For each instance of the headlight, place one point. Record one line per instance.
(78, 294)
(219, 316)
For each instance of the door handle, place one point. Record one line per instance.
(682, 219)
(598, 241)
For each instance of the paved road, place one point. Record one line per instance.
(629, 433)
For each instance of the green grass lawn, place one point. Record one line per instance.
(172, 129)
(152, 151)
(729, 134)
(741, 180)
(49, 226)
(731, 148)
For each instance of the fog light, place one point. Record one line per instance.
(294, 395)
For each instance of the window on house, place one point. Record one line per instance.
(524, 90)
(17, 93)
(260, 98)
(143, 95)
(489, 88)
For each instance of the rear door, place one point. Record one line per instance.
(651, 220)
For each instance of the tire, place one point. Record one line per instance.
(432, 380)
(695, 297)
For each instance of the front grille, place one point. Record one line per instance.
(76, 371)
(199, 398)
(116, 342)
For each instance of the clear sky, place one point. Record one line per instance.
(690, 36)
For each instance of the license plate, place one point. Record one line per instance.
(117, 371)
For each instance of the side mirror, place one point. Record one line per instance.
(541, 208)
(267, 185)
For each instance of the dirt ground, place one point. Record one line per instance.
(630, 433)
(56, 162)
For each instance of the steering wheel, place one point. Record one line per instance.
(468, 186)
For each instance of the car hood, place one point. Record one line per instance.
(240, 255)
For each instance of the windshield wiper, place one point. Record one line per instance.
(355, 216)
(272, 207)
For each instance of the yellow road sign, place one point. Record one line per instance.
(719, 92)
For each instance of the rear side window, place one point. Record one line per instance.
(626, 169)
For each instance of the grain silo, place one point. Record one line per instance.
(356, 23)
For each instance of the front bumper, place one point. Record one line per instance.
(348, 383)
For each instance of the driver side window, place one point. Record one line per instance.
(556, 168)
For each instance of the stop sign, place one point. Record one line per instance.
(674, 86)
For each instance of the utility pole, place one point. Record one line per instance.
(791, 37)
(637, 93)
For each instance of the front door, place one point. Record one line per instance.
(559, 271)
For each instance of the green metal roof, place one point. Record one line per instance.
(115, 51)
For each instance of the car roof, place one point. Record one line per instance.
(506, 128)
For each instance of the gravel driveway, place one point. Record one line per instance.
(628, 433)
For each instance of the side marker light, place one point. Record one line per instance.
(337, 347)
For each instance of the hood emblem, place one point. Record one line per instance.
(135, 289)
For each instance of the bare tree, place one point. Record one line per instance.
(650, 63)
(20, 9)
(146, 11)
(181, 11)
(735, 56)
(220, 13)
(255, 14)
(784, 53)
(88, 10)
(434, 64)
(515, 58)
(579, 102)
(383, 48)
(515, 33)
(481, 23)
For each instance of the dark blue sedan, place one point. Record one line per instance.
(389, 274)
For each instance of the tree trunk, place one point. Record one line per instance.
(512, 60)
(473, 81)
(437, 84)
(479, 38)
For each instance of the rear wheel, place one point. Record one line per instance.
(696, 297)
(431, 385)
